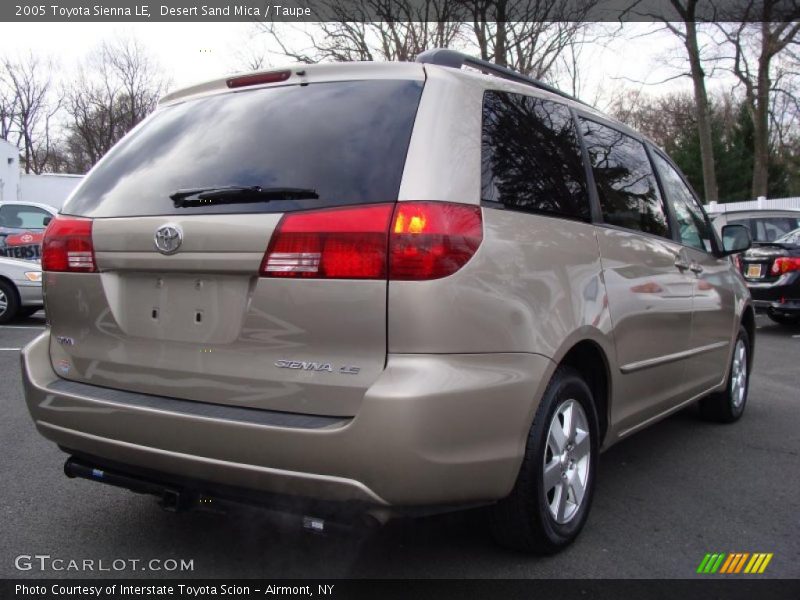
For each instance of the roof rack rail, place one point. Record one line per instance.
(444, 57)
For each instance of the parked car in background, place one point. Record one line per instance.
(764, 225)
(22, 225)
(20, 288)
(772, 272)
(426, 288)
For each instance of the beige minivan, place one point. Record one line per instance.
(385, 288)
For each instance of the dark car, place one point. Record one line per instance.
(772, 272)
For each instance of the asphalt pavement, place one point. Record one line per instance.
(665, 498)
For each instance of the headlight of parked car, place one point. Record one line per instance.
(33, 275)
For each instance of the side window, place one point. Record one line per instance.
(23, 217)
(693, 228)
(625, 181)
(530, 156)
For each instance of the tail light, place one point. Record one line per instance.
(406, 241)
(784, 264)
(337, 243)
(430, 240)
(67, 245)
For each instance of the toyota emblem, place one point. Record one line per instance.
(168, 239)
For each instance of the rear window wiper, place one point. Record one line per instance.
(236, 194)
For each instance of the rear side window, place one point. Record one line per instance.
(530, 156)
(22, 216)
(347, 141)
(625, 181)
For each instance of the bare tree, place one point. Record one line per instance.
(687, 32)
(750, 47)
(27, 106)
(784, 112)
(117, 86)
(372, 30)
(7, 109)
(527, 35)
(662, 118)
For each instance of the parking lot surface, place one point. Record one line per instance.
(665, 498)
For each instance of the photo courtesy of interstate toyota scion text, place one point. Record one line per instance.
(382, 289)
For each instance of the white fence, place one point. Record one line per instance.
(760, 204)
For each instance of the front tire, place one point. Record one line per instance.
(550, 501)
(728, 405)
(9, 302)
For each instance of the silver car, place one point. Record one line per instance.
(391, 288)
(20, 288)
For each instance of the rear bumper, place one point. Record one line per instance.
(783, 294)
(433, 429)
(787, 306)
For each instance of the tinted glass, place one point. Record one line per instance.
(693, 229)
(21, 216)
(531, 157)
(345, 140)
(769, 229)
(625, 181)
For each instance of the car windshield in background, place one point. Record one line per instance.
(345, 141)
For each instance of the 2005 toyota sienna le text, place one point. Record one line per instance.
(398, 287)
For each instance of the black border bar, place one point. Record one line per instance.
(704, 588)
(385, 10)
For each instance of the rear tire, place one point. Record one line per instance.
(550, 501)
(9, 302)
(782, 319)
(728, 405)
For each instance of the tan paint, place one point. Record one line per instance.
(451, 371)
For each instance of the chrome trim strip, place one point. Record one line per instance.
(659, 360)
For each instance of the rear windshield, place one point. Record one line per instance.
(768, 229)
(347, 141)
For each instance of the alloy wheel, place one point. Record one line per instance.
(739, 374)
(566, 461)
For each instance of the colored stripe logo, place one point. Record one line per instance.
(735, 562)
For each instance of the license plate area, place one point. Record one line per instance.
(178, 307)
(754, 271)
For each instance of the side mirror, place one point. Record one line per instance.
(46, 221)
(735, 239)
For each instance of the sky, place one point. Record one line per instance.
(193, 52)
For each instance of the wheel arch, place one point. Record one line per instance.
(590, 360)
(13, 287)
(748, 321)
(11, 283)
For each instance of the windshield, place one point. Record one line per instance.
(345, 141)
